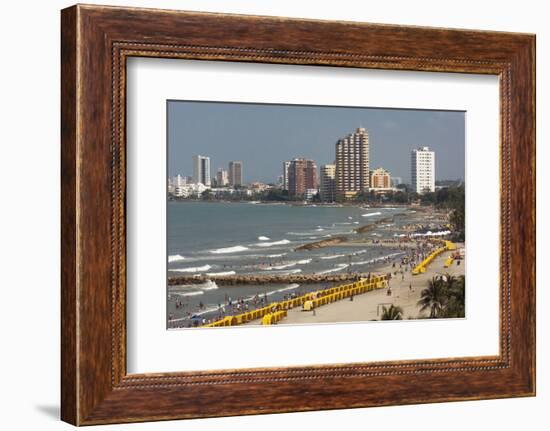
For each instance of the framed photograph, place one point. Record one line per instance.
(265, 215)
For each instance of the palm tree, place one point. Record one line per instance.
(456, 293)
(392, 313)
(434, 298)
(450, 280)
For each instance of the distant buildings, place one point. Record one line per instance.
(395, 181)
(423, 170)
(310, 194)
(352, 164)
(222, 179)
(327, 183)
(189, 190)
(177, 183)
(345, 179)
(236, 173)
(380, 179)
(201, 170)
(284, 184)
(258, 187)
(302, 177)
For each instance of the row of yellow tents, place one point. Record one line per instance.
(346, 291)
(269, 315)
(273, 318)
(421, 267)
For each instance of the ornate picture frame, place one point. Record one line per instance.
(96, 41)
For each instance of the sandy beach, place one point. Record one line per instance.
(368, 306)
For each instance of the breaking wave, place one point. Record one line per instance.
(234, 249)
(175, 258)
(193, 269)
(222, 273)
(338, 268)
(371, 214)
(270, 244)
(334, 256)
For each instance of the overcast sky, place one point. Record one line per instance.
(264, 135)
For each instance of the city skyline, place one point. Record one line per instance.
(235, 131)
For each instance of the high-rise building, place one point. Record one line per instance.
(423, 170)
(395, 181)
(380, 179)
(201, 170)
(285, 175)
(222, 178)
(352, 163)
(179, 180)
(171, 186)
(302, 176)
(236, 173)
(327, 183)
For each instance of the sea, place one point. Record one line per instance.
(225, 238)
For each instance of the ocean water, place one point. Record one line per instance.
(216, 238)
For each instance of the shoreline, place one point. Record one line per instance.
(232, 280)
(406, 290)
(363, 205)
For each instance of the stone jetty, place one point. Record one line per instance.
(323, 243)
(371, 226)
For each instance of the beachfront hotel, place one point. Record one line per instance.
(302, 177)
(235, 173)
(423, 170)
(380, 179)
(327, 183)
(352, 164)
(201, 170)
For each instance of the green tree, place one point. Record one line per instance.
(456, 295)
(392, 313)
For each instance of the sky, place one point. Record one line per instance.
(265, 135)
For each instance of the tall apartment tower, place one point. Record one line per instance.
(327, 183)
(302, 177)
(221, 178)
(423, 170)
(235, 173)
(352, 163)
(284, 184)
(201, 170)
